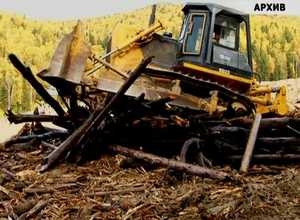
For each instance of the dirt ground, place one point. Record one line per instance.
(102, 189)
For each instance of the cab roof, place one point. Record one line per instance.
(211, 7)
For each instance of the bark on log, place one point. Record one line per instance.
(39, 88)
(173, 164)
(94, 122)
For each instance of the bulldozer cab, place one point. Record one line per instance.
(217, 38)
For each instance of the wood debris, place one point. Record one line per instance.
(155, 134)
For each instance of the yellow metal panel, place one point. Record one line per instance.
(217, 73)
(127, 59)
(126, 40)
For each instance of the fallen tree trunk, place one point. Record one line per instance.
(94, 122)
(39, 88)
(170, 163)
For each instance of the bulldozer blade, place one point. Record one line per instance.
(113, 86)
(69, 60)
(151, 94)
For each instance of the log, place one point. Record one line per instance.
(284, 141)
(39, 88)
(27, 146)
(21, 118)
(170, 163)
(251, 143)
(226, 129)
(94, 122)
(24, 139)
(267, 122)
(270, 157)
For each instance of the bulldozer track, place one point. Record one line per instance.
(224, 91)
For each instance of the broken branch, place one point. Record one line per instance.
(173, 164)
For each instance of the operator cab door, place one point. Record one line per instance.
(193, 38)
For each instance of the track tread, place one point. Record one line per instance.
(229, 93)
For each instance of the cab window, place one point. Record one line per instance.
(225, 32)
(230, 43)
(194, 34)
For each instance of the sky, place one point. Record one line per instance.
(74, 9)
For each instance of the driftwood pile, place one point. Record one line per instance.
(127, 125)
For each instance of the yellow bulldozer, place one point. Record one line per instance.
(209, 68)
(149, 89)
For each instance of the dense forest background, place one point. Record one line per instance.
(275, 45)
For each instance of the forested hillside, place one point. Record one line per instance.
(276, 48)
